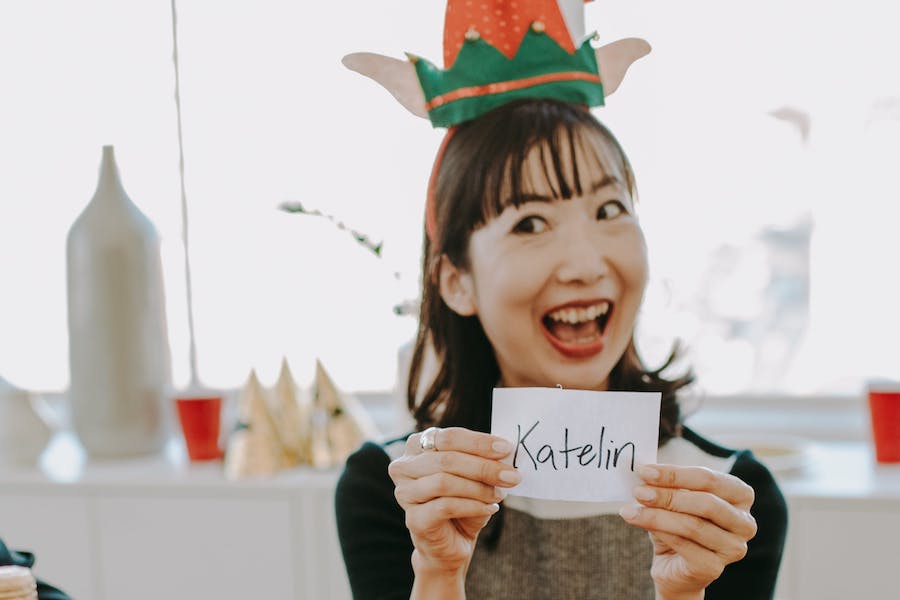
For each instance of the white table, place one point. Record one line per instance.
(844, 526)
(163, 528)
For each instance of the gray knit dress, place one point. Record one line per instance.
(589, 557)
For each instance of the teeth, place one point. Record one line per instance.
(580, 315)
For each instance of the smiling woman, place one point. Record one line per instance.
(537, 282)
(535, 267)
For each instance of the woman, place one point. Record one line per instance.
(535, 215)
(534, 270)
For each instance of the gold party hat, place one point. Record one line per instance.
(254, 449)
(293, 418)
(343, 421)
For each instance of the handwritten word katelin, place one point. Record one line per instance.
(584, 455)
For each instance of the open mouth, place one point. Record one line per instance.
(577, 329)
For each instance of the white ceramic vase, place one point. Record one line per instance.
(23, 434)
(118, 344)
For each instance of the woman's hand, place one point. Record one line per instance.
(699, 521)
(449, 494)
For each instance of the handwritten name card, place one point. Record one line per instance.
(576, 444)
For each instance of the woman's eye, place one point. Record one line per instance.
(530, 224)
(610, 210)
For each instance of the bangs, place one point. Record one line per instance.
(558, 164)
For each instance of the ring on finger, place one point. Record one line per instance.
(427, 439)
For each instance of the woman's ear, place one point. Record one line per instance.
(456, 287)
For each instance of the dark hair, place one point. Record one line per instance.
(479, 173)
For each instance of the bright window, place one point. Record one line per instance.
(765, 137)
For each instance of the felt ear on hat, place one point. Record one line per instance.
(396, 76)
(614, 58)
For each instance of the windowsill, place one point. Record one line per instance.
(816, 418)
(832, 460)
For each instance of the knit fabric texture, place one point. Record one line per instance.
(592, 557)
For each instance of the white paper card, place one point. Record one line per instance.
(576, 444)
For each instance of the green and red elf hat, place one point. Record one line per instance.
(497, 51)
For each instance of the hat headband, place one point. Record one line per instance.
(483, 78)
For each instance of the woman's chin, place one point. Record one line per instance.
(586, 382)
(553, 368)
(571, 377)
(588, 373)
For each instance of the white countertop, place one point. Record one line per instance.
(836, 472)
(825, 473)
(64, 467)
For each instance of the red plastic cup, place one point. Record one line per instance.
(884, 406)
(200, 419)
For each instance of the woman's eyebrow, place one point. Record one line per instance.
(526, 197)
(523, 198)
(607, 180)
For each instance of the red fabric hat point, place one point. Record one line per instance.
(501, 23)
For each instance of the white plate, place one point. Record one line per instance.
(780, 453)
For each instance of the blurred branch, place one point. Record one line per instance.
(361, 238)
(796, 117)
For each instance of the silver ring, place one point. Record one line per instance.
(426, 440)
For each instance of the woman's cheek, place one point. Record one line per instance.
(521, 281)
(636, 269)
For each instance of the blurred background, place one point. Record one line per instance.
(765, 137)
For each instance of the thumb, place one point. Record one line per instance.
(470, 526)
(659, 546)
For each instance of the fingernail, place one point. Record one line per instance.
(648, 473)
(492, 508)
(501, 446)
(501, 492)
(644, 493)
(510, 476)
(629, 511)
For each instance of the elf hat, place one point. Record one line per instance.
(496, 51)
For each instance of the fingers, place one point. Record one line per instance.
(488, 472)
(705, 505)
(449, 490)
(703, 565)
(702, 506)
(725, 486)
(422, 519)
(728, 546)
(438, 485)
(459, 439)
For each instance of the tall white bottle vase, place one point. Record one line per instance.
(120, 366)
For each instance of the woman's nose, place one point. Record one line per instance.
(582, 256)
